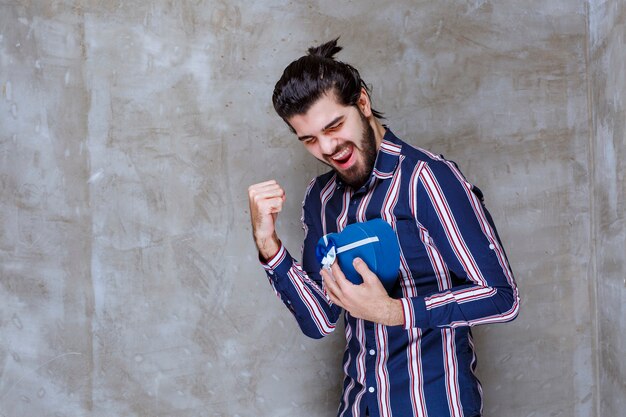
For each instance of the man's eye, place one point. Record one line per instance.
(335, 127)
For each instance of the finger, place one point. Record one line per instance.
(368, 276)
(271, 206)
(329, 282)
(259, 194)
(361, 267)
(264, 187)
(340, 278)
(332, 290)
(265, 183)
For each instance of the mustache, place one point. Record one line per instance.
(337, 150)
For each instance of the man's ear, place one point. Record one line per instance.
(364, 103)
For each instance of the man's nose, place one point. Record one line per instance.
(328, 145)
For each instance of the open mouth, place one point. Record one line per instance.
(344, 158)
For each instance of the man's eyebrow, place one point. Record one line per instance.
(328, 126)
(333, 122)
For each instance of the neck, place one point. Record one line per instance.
(379, 131)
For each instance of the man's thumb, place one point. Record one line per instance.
(361, 267)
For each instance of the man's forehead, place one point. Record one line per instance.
(322, 113)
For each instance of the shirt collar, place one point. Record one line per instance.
(388, 156)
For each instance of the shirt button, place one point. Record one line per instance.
(372, 352)
(371, 389)
(492, 246)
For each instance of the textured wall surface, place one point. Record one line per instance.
(608, 52)
(129, 133)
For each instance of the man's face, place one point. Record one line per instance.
(339, 136)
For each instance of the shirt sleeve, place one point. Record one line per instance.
(300, 288)
(476, 285)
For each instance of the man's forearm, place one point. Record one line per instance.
(394, 316)
(268, 247)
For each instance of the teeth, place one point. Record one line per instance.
(341, 154)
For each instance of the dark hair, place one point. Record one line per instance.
(305, 80)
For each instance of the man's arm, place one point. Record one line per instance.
(298, 291)
(266, 201)
(476, 285)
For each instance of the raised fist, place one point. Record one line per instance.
(266, 201)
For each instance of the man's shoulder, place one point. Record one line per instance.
(438, 165)
(325, 179)
(318, 184)
(414, 153)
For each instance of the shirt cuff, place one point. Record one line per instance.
(414, 312)
(281, 262)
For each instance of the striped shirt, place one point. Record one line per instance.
(453, 274)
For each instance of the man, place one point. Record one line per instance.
(409, 352)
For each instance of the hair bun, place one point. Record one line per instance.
(327, 50)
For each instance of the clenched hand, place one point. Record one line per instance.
(266, 201)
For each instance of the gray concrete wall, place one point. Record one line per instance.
(129, 133)
(608, 98)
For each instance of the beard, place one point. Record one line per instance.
(358, 174)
